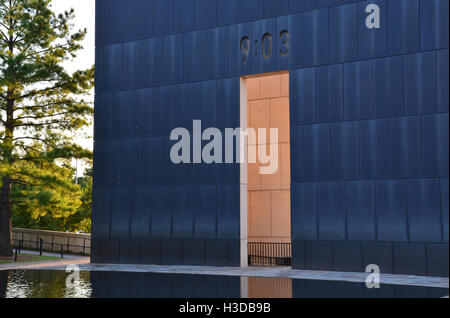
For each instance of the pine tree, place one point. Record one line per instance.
(41, 104)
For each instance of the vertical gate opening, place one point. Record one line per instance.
(268, 195)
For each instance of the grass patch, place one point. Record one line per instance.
(27, 258)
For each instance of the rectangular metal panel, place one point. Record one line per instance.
(163, 17)
(298, 254)
(316, 152)
(424, 210)
(250, 10)
(343, 33)
(132, 65)
(303, 96)
(437, 260)
(151, 251)
(228, 103)
(304, 211)
(420, 83)
(151, 161)
(216, 53)
(101, 213)
(273, 8)
(104, 22)
(410, 259)
(161, 206)
(301, 5)
(444, 208)
(372, 42)
(205, 14)
(153, 61)
(183, 212)
(120, 212)
(240, 49)
(129, 251)
(318, 255)
(405, 147)
(216, 252)
(228, 211)
(141, 213)
(358, 93)
(297, 153)
(205, 219)
(327, 3)
(171, 252)
(329, 93)
(435, 145)
(194, 51)
(380, 254)
(391, 207)
(289, 33)
(344, 151)
(433, 24)
(442, 80)
(331, 210)
(404, 26)
(193, 252)
(347, 256)
(315, 37)
(374, 149)
(173, 59)
(227, 12)
(388, 87)
(184, 15)
(360, 211)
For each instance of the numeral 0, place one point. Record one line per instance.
(266, 46)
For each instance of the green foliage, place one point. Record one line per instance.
(42, 106)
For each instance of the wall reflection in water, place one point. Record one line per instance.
(52, 284)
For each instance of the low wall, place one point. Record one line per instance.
(72, 243)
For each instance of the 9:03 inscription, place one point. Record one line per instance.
(266, 46)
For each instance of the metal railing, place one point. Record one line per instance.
(269, 254)
(40, 244)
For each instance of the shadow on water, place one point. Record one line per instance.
(52, 284)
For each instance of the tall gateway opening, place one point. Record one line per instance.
(268, 192)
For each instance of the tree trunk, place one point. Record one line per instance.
(3, 283)
(5, 219)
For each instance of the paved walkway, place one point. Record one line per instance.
(62, 262)
(274, 272)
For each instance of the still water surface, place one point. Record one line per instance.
(52, 284)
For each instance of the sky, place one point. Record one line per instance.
(84, 18)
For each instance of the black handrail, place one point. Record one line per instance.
(269, 254)
(41, 244)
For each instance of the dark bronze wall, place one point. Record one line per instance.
(369, 129)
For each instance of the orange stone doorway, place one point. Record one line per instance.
(268, 196)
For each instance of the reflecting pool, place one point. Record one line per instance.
(59, 284)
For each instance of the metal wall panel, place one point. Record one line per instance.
(369, 129)
(205, 14)
(304, 211)
(360, 209)
(420, 83)
(372, 42)
(329, 93)
(424, 208)
(303, 96)
(331, 210)
(433, 24)
(315, 37)
(391, 207)
(358, 90)
(343, 33)
(404, 26)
